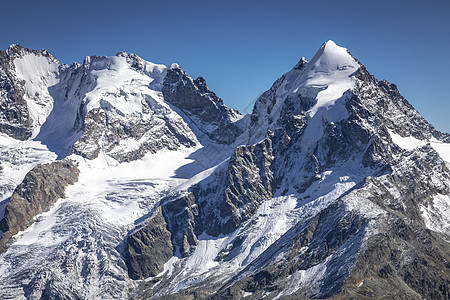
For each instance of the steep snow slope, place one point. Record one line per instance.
(27, 78)
(322, 82)
(39, 73)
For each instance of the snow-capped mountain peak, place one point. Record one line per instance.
(336, 187)
(332, 57)
(310, 87)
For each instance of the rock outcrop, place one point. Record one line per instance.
(40, 189)
(201, 106)
(148, 248)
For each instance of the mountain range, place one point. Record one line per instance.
(125, 179)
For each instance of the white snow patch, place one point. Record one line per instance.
(436, 215)
(39, 232)
(167, 270)
(442, 148)
(202, 260)
(410, 143)
(197, 178)
(309, 280)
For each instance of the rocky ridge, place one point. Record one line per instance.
(202, 106)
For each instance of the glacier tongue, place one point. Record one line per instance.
(80, 235)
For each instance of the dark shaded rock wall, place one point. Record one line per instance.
(149, 248)
(202, 106)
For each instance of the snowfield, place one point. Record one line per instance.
(84, 231)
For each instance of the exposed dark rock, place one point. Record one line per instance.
(148, 248)
(39, 190)
(182, 216)
(201, 106)
(221, 206)
(103, 128)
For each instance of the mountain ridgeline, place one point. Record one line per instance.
(128, 179)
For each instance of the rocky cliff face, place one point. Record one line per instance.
(149, 248)
(40, 189)
(201, 106)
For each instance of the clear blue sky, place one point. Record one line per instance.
(241, 47)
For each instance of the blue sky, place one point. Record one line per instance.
(242, 47)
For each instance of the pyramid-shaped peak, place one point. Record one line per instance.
(330, 43)
(332, 57)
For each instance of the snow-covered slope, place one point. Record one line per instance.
(333, 186)
(39, 73)
(319, 84)
(27, 80)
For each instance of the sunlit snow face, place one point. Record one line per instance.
(39, 73)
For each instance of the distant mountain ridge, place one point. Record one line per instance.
(333, 187)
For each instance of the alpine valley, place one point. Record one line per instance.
(125, 179)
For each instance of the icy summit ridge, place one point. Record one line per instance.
(17, 50)
(331, 57)
(310, 88)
